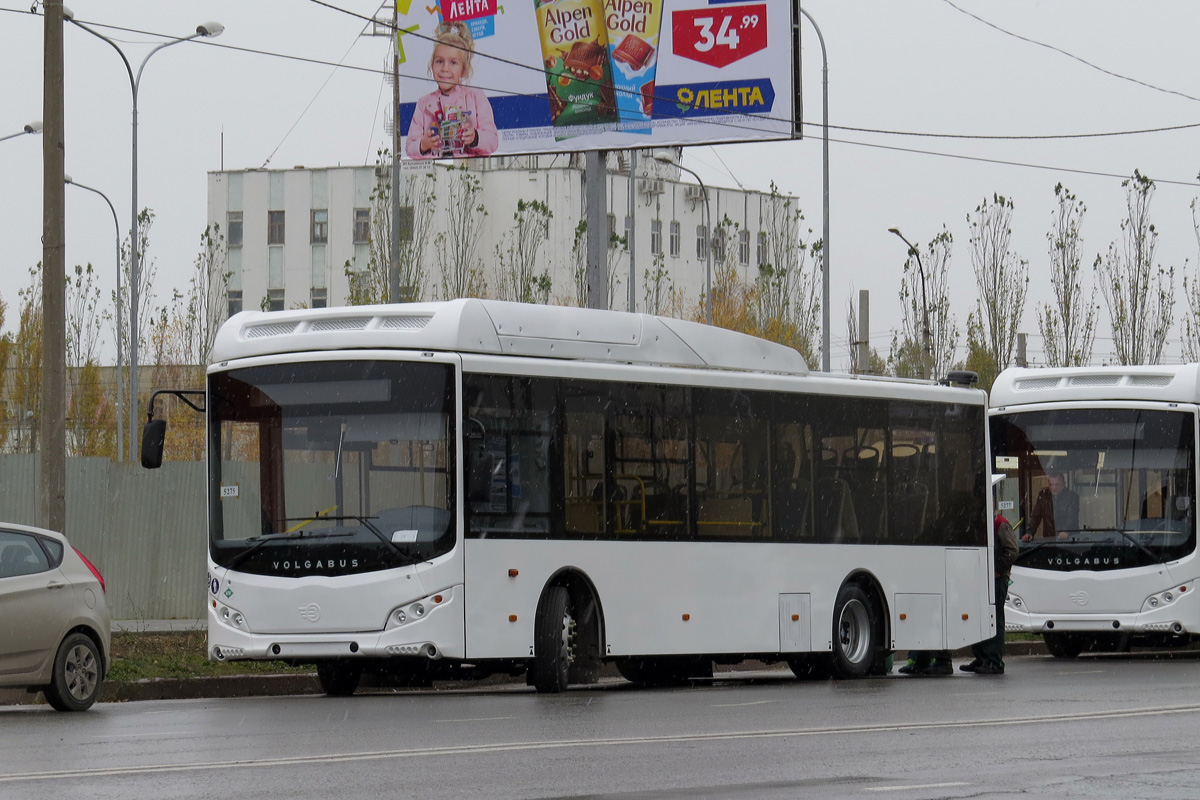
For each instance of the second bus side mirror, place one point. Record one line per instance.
(153, 435)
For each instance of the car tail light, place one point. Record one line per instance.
(95, 571)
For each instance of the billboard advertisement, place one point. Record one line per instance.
(482, 77)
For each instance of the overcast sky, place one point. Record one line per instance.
(916, 66)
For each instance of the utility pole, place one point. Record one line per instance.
(397, 140)
(864, 327)
(596, 200)
(380, 27)
(52, 424)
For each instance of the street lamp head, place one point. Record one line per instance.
(34, 127)
(210, 29)
(894, 230)
(67, 178)
(68, 14)
(665, 158)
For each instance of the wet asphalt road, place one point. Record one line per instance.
(1093, 728)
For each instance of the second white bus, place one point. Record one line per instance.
(1112, 450)
(410, 492)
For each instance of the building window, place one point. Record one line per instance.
(656, 237)
(406, 223)
(612, 227)
(275, 300)
(701, 242)
(362, 225)
(675, 238)
(234, 238)
(319, 227)
(234, 297)
(744, 247)
(628, 230)
(762, 248)
(718, 245)
(319, 298)
(274, 227)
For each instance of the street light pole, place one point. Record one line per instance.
(666, 159)
(33, 127)
(927, 350)
(209, 30)
(120, 321)
(824, 192)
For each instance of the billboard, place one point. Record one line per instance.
(481, 77)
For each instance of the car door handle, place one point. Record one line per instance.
(55, 585)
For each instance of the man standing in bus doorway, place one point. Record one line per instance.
(989, 654)
(1056, 510)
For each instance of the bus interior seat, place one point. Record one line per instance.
(836, 520)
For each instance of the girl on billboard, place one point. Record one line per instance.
(454, 120)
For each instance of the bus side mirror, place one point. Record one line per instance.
(153, 436)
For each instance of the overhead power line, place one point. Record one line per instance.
(1072, 56)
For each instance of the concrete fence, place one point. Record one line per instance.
(143, 529)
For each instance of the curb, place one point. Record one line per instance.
(307, 683)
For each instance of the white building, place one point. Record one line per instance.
(293, 234)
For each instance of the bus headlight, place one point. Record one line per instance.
(417, 609)
(1166, 598)
(1015, 601)
(231, 617)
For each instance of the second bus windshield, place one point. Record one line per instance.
(1097, 488)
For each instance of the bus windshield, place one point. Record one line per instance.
(1097, 488)
(330, 468)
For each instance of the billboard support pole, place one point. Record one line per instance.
(393, 287)
(824, 191)
(596, 201)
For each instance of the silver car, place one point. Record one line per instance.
(54, 622)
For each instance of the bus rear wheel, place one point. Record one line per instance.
(1064, 645)
(554, 637)
(338, 679)
(855, 633)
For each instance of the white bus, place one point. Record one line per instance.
(419, 491)
(1112, 452)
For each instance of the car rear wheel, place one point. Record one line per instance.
(75, 684)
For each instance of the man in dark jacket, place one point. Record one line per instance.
(989, 654)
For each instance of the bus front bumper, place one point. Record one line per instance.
(418, 629)
(1167, 613)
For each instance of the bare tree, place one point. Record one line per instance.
(788, 292)
(1191, 290)
(1002, 278)
(922, 294)
(26, 361)
(1140, 296)
(1069, 326)
(661, 296)
(616, 248)
(517, 254)
(147, 271)
(204, 305)
(457, 246)
(369, 283)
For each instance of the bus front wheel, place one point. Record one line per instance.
(1063, 645)
(553, 641)
(855, 631)
(338, 679)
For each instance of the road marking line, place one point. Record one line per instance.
(915, 786)
(736, 705)
(478, 719)
(459, 750)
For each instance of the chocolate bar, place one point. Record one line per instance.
(635, 52)
(582, 57)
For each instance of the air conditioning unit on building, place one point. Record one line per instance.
(693, 193)
(650, 186)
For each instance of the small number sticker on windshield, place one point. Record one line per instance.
(229, 491)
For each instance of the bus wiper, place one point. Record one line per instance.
(1154, 558)
(380, 535)
(257, 543)
(1031, 550)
